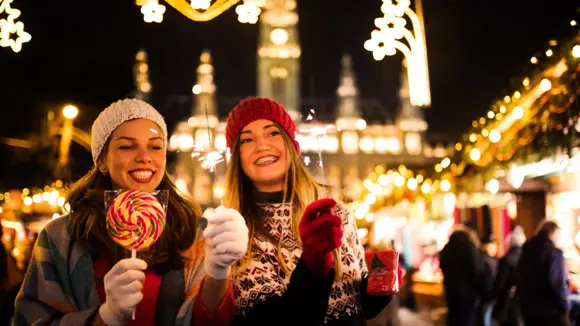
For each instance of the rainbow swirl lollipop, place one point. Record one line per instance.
(135, 220)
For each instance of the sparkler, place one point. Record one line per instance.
(209, 159)
(317, 132)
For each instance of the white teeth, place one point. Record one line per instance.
(142, 174)
(267, 159)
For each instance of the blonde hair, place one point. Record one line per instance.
(300, 189)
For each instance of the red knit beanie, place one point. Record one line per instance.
(256, 108)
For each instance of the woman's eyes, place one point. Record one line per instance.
(127, 147)
(247, 140)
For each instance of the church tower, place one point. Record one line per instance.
(279, 55)
(141, 76)
(348, 106)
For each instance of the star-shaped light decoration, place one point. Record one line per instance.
(10, 27)
(153, 12)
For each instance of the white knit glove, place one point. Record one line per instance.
(123, 285)
(226, 237)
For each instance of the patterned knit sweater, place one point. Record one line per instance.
(265, 295)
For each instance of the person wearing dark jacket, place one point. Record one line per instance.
(507, 302)
(542, 279)
(489, 251)
(464, 277)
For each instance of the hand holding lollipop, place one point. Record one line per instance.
(135, 220)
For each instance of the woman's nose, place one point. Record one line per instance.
(263, 145)
(143, 156)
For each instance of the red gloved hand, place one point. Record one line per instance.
(321, 233)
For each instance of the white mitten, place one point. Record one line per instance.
(123, 285)
(226, 237)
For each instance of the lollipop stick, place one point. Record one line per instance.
(133, 255)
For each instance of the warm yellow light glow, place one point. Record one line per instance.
(549, 53)
(196, 89)
(502, 109)
(458, 147)
(70, 112)
(517, 94)
(200, 4)
(518, 112)
(475, 154)
(485, 133)
(494, 136)
(279, 36)
(412, 184)
(507, 99)
(361, 124)
(572, 23)
(473, 138)
(526, 81)
(534, 60)
(576, 51)
(545, 85)
(493, 186)
(445, 185)
(490, 114)
(445, 163)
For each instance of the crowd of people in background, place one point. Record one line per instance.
(527, 286)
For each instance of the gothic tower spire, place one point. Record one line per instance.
(279, 55)
(141, 76)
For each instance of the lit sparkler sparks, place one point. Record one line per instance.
(317, 132)
(211, 159)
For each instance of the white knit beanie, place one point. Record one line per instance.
(116, 114)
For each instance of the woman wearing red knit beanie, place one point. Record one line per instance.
(289, 275)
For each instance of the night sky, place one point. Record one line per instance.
(82, 52)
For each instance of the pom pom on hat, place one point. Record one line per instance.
(117, 113)
(256, 108)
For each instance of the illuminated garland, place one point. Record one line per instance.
(538, 120)
(202, 10)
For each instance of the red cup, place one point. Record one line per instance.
(383, 272)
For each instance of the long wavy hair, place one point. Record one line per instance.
(300, 189)
(88, 221)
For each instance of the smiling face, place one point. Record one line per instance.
(263, 155)
(135, 157)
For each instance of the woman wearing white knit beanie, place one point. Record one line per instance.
(79, 276)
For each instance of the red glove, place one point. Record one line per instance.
(321, 233)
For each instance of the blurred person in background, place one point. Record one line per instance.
(489, 250)
(10, 281)
(506, 311)
(465, 277)
(543, 279)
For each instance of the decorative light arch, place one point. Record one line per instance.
(392, 35)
